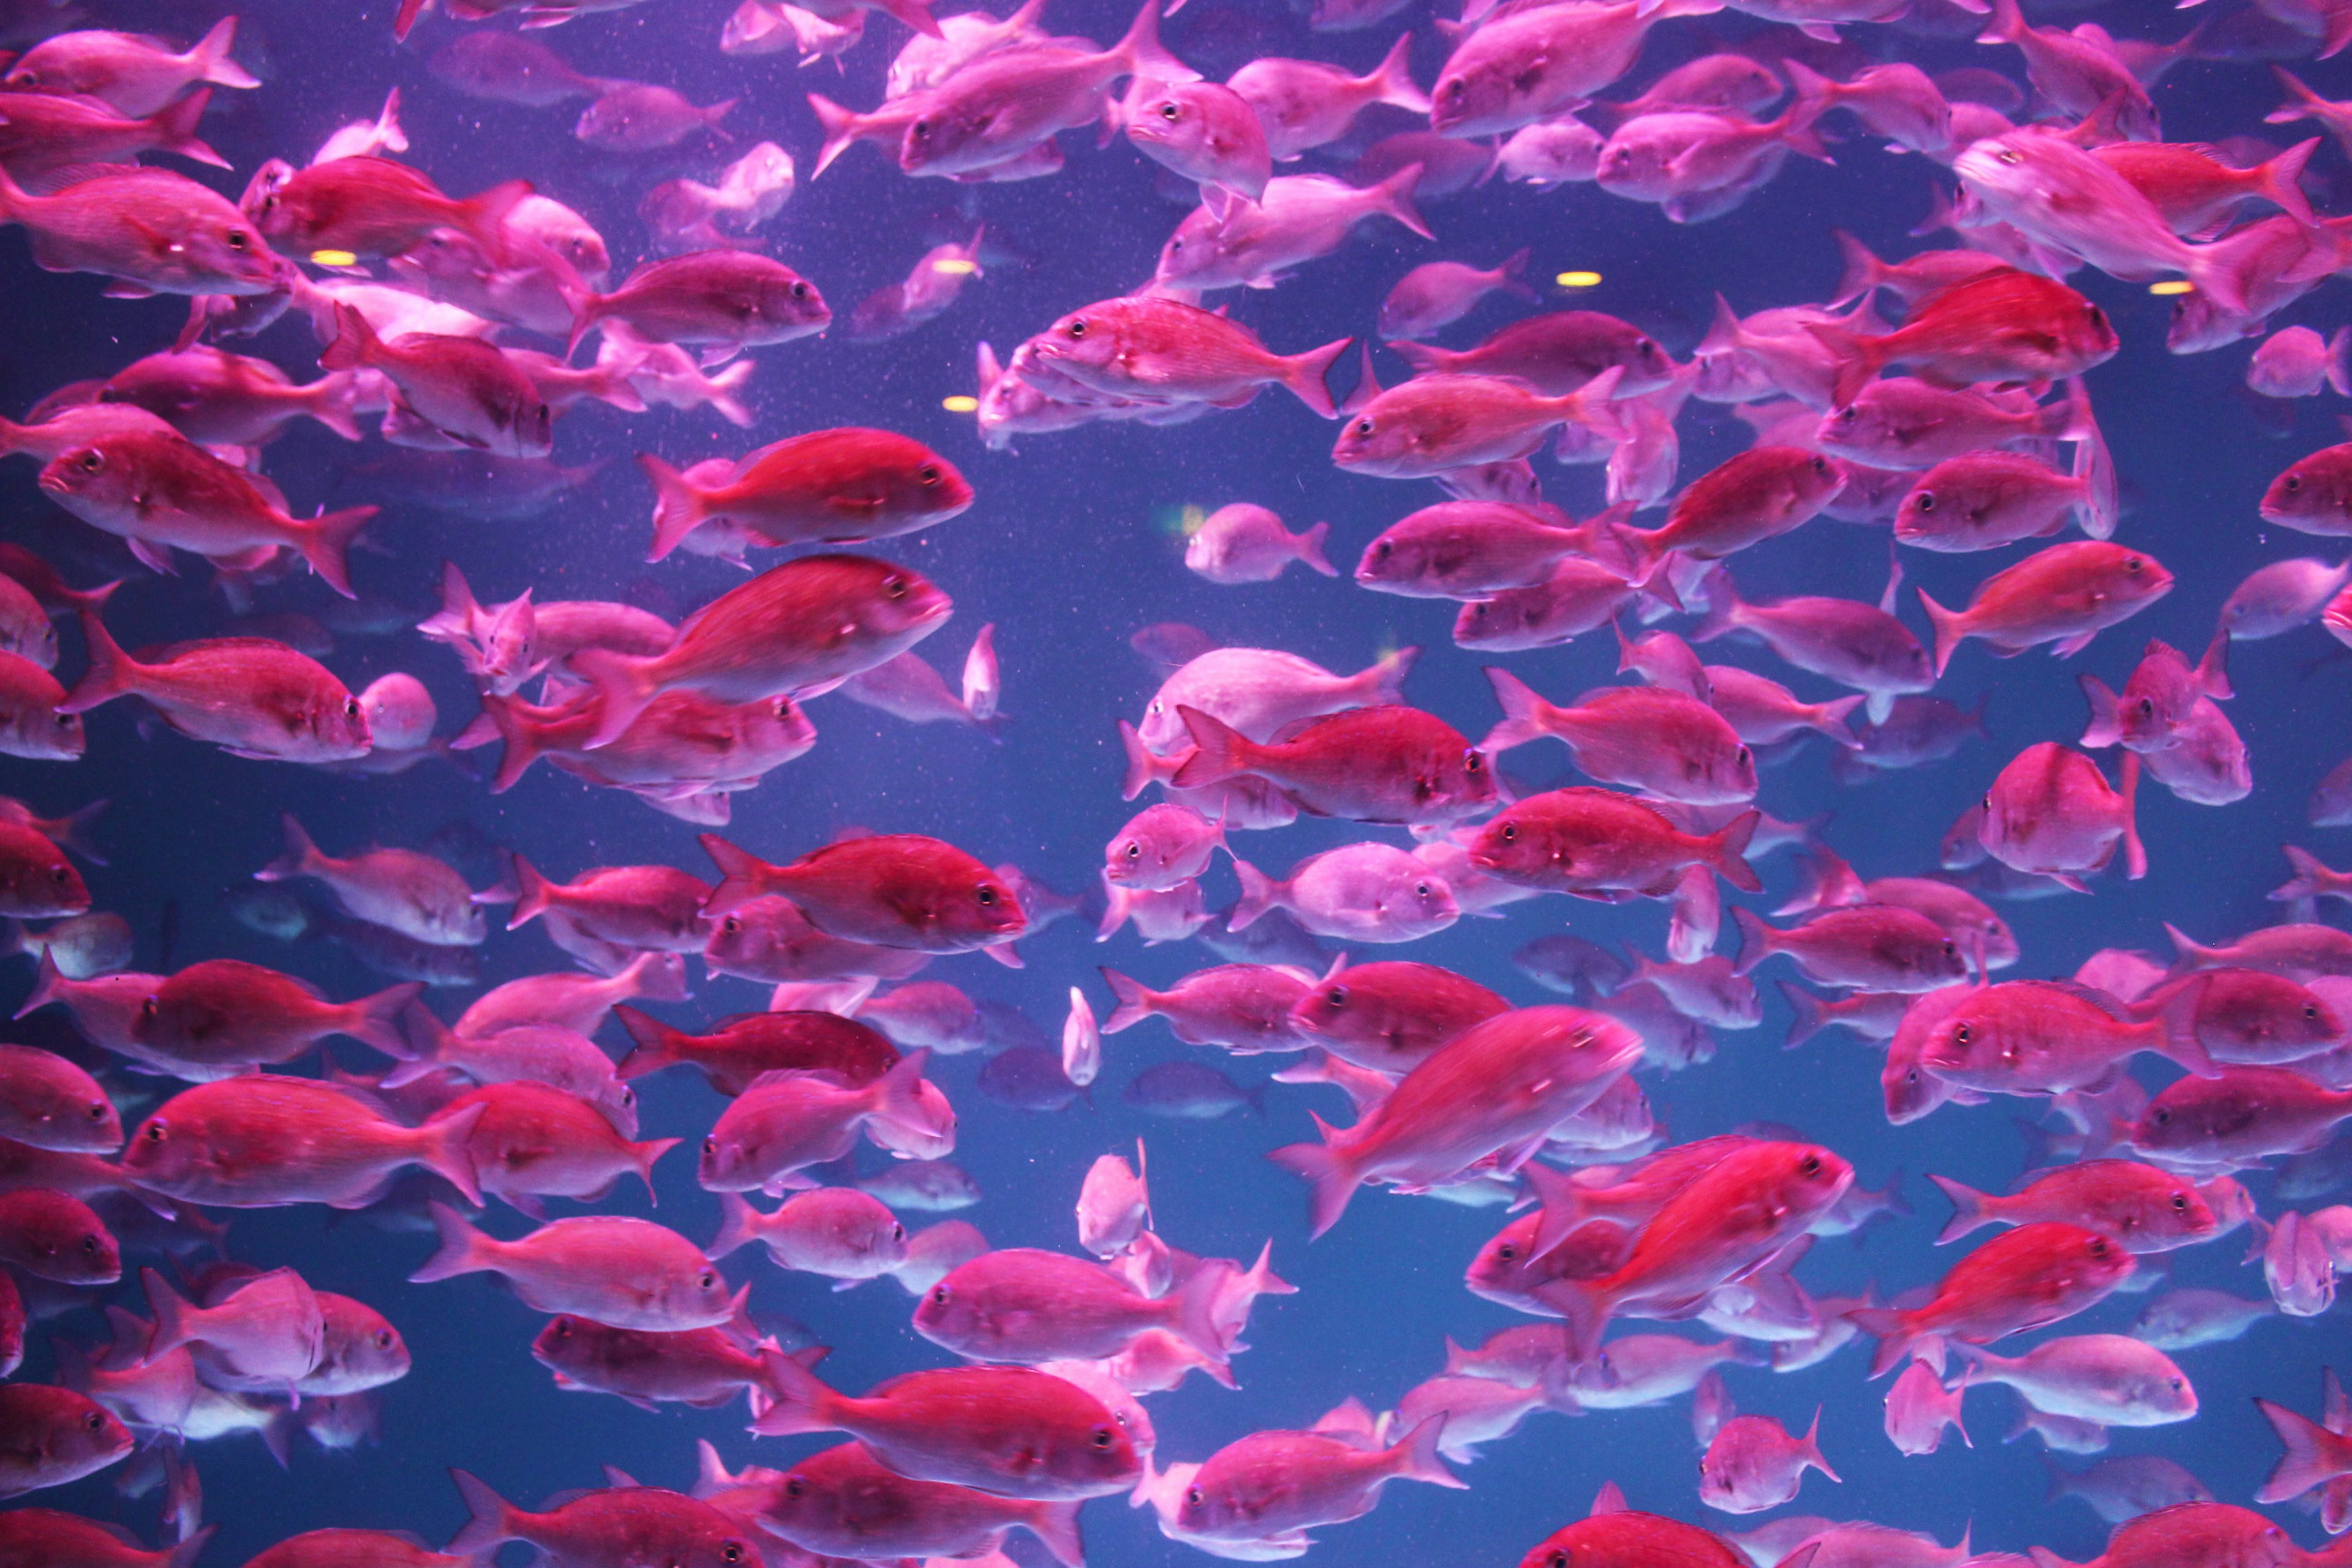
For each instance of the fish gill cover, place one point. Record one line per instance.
(1716, 1005)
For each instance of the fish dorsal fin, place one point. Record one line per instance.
(1609, 1499)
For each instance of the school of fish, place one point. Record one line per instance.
(1945, 397)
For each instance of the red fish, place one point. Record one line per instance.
(897, 890)
(2029, 1277)
(2002, 325)
(839, 486)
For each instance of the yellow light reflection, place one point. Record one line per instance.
(960, 404)
(955, 266)
(334, 258)
(1579, 280)
(2173, 286)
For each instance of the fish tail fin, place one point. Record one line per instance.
(743, 876)
(585, 314)
(656, 976)
(2177, 1041)
(1967, 1209)
(325, 542)
(1812, 1447)
(899, 1093)
(1392, 79)
(1422, 357)
(490, 1519)
(487, 213)
(1311, 547)
(300, 855)
(1259, 894)
(1832, 720)
(1757, 941)
(645, 1155)
(1196, 1319)
(625, 689)
(1144, 766)
(1727, 851)
(1304, 375)
(2135, 851)
(354, 343)
(678, 507)
(1396, 199)
(335, 400)
(1055, 1526)
(461, 1250)
(112, 673)
(803, 1403)
(1951, 629)
(1417, 1459)
(1723, 607)
(915, 14)
(2105, 726)
(2007, 24)
(532, 892)
(2282, 181)
(74, 834)
(48, 985)
(654, 1044)
(843, 128)
(1385, 677)
(2311, 877)
(1863, 272)
(2339, 361)
(1894, 1334)
(521, 740)
(175, 129)
(1134, 1002)
(1523, 713)
(375, 1020)
(1141, 53)
(173, 1314)
(1796, 123)
(210, 57)
(737, 1222)
(1807, 1018)
(1219, 752)
(445, 1150)
(405, 18)
(1859, 359)
(1333, 1179)
(2314, 1457)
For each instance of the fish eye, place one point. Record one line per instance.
(1951, 947)
(156, 1133)
(563, 1327)
(1384, 550)
(1363, 427)
(939, 1296)
(709, 1278)
(894, 587)
(95, 1421)
(2161, 1116)
(1507, 1252)
(898, 1233)
(382, 1339)
(350, 707)
(1511, 833)
(929, 473)
(1924, 501)
(628, 1097)
(987, 896)
(731, 1552)
(2311, 1012)
(1336, 997)
(1821, 464)
(91, 461)
(89, 1244)
(1134, 849)
(1078, 329)
(148, 1009)
(1810, 1165)
(1472, 763)
(2098, 1246)
(1104, 1437)
(2011, 156)
(922, 130)
(237, 239)
(98, 1111)
(2180, 1203)
(1743, 756)
(783, 707)
(731, 924)
(1962, 1034)
(1195, 1496)
(2132, 564)
(1420, 889)
(710, 1148)
(1171, 112)
(795, 1487)
(1458, 89)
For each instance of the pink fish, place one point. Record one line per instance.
(728, 298)
(1363, 893)
(786, 1121)
(1273, 1486)
(846, 1502)
(1305, 104)
(151, 230)
(2050, 812)
(1296, 219)
(1523, 66)
(2145, 1209)
(235, 1144)
(2065, 595)
(1436, 294)
(1206, 133)
(1918, 1408)
(1242, 1007)
(56, 1435)
(2039, 1274)
(1864, 947)
(1367, 765)
(1240, 542)
(604, 1526)
(1642, 737)
(1446, 420)
(1388, 1015)
(1598, 843)
(838, 1231)
(625, 1273)
(1753, 1464)
(2240, 1116)
(1010, 1431)
(1161, 349)
(1539, 1064)
(1023, 1305)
